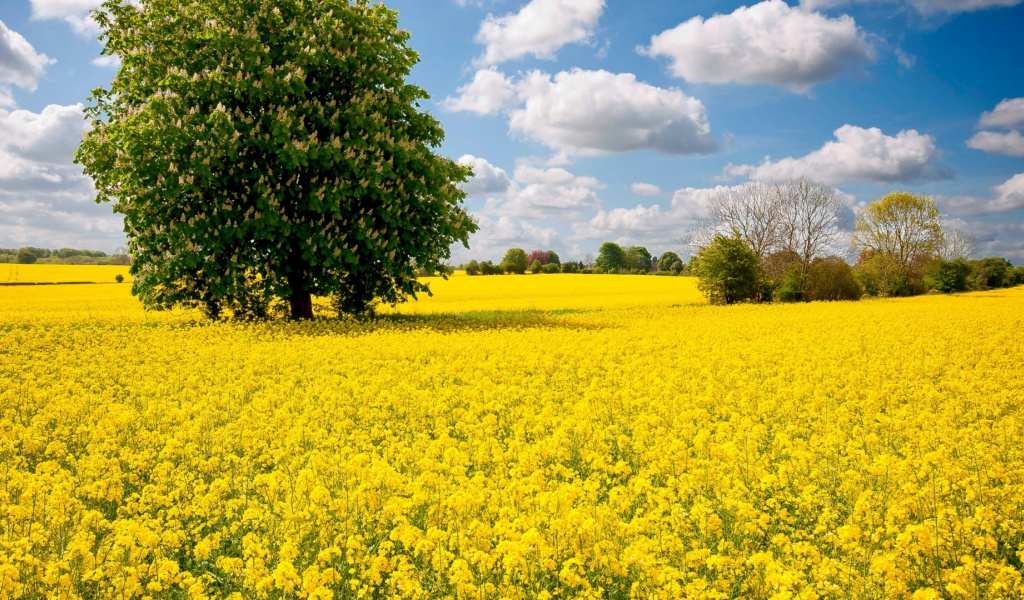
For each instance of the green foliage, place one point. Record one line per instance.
(610, 257)
(553, 258)
(677, 267)
(1018, 276)
(270, 148)
(119, 278)
(637, 258)
(37, 252)
(570, 267)
(791, 285)
(535, 267)
(25, 257)
(472, 268)
(515, 261)
(898, 235)
(948, 276)
(667, 259)
(70, 252)
(489, 268)
(727, 271)
(990, 273)
(831, 279)
(549, 268)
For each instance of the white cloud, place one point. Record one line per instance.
(496, 235)
(74, 12)
(907, 61)
(649, 224)
(1011, 144)
(487, 179)
(1008, 113)
(925, 7)
(769, 42)
(548, 193)
(596, 112)
(645, 189)
(540, 28)
(20, 64)
(1006, 197)
(488, 93)
(109, 61)
(857, 155)
(45, 200)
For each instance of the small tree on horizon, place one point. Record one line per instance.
(515, 261)
(611, 257)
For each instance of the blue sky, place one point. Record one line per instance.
(594, 120)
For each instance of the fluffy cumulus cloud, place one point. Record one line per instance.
(857, 155)
(651, 225)
(540, 29)
(488, 93)
(769, 43)
(20, 64)
(1010, 143)
(74, 12)
(487, 179)
(925, 7)
(1008, 113)
(561, 112)
(1007, 196)
(497, 234)
(44, 198)
(538, 193)
(645, 189)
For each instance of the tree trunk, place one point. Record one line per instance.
(301, 305)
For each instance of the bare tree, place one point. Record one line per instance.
(121, 257)
(751, 210)
(810, 218)
(800, 216)
(957, 243)
(588, 260)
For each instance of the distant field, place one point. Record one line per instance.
(549, 436)
(15, 273)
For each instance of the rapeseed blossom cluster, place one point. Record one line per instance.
(473, 446)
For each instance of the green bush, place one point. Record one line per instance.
(831, 279)
(569, 267)
(990, 273)
(727, 271)
(25, 257)
(549, 268)
(535, 267)
(472, 268)
(790, 286)
(948, 276)
(119, 278)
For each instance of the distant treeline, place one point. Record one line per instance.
(66, 256)
(612, 258)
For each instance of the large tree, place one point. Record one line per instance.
(270, 148)
(903, 227)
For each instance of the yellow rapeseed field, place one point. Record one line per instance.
(550, 436)
(45, 273)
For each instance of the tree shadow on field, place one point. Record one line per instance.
(484, 320)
